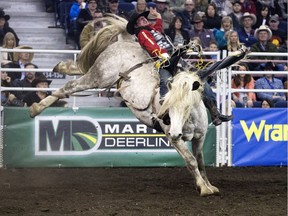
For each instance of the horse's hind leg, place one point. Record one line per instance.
(192, 166)
(197, 146)
(83, 83)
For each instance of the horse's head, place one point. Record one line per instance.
(184, 93)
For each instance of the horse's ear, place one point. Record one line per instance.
(195, 85)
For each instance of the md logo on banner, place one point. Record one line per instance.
(66, 135)
(260, 137)
(81, 135)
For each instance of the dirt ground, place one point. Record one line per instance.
(142, 191)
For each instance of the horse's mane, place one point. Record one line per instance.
(181, 94)
(114, 26)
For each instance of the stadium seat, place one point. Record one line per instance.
(125, 7)
(282, 104)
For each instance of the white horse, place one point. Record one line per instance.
(102, 63)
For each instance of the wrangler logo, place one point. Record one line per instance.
(274, 132)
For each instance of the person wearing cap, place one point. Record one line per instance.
(22, 58)
(205, 35)
(278, 34)
(236, 13)
(153, 41)
(162, 7)
(268, 81)
(246, 32)
(263, 34)
(187, 14)
(4, 27)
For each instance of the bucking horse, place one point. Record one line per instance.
(182, 116)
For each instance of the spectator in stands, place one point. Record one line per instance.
(233, 42)
(187, 14)
(113, 7)
(236, 14)
(22, 58)
(282, 6)
(37, 96)
(263, 16)
(75, 9)
(212, 19)
(278, 34)
(246, 32)
(90, 30)
(201, 5)
(205, 35)
(177, 34)
(27, 81)
(243, 81)
(49, 5)
(140, 7)
(263, 34)
(268, 81)
(248, 6)
(9, 42)
(221, 35)
(162, 7)
(4, 27)
(283, 49)
(224, 7)
(86, 15)
(267, 104)
(8, 98)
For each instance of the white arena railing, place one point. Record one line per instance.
(223, 91)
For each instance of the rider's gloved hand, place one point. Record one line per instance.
(162, 59)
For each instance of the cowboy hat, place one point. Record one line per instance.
(2, 15)
(40, 79)
(133, 20)
(16, 54)
(263, 28)
(252, 16)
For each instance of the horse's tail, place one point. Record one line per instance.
(115, 26)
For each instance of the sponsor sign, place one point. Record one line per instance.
(260, 137)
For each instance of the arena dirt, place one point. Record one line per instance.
(142, 192)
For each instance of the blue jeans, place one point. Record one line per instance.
(208, 93)
(164, 76)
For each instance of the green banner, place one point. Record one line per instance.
(89, 137)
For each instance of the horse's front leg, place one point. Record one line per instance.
(83, 83)
(197, 147)
(192, 166)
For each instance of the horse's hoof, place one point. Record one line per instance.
(34, 110)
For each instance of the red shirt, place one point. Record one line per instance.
(147, 40)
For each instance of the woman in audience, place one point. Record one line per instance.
(233, 42)
(212, 19)
(267, 104)
(178, 35)
(9, 42)
(221, 35)
(4, 27)
(263, 15)
(243, 81)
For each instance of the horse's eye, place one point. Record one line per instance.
(195, 85)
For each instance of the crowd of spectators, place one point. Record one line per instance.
(18, 60)
(218, 24)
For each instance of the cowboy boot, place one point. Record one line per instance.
(216, 116)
